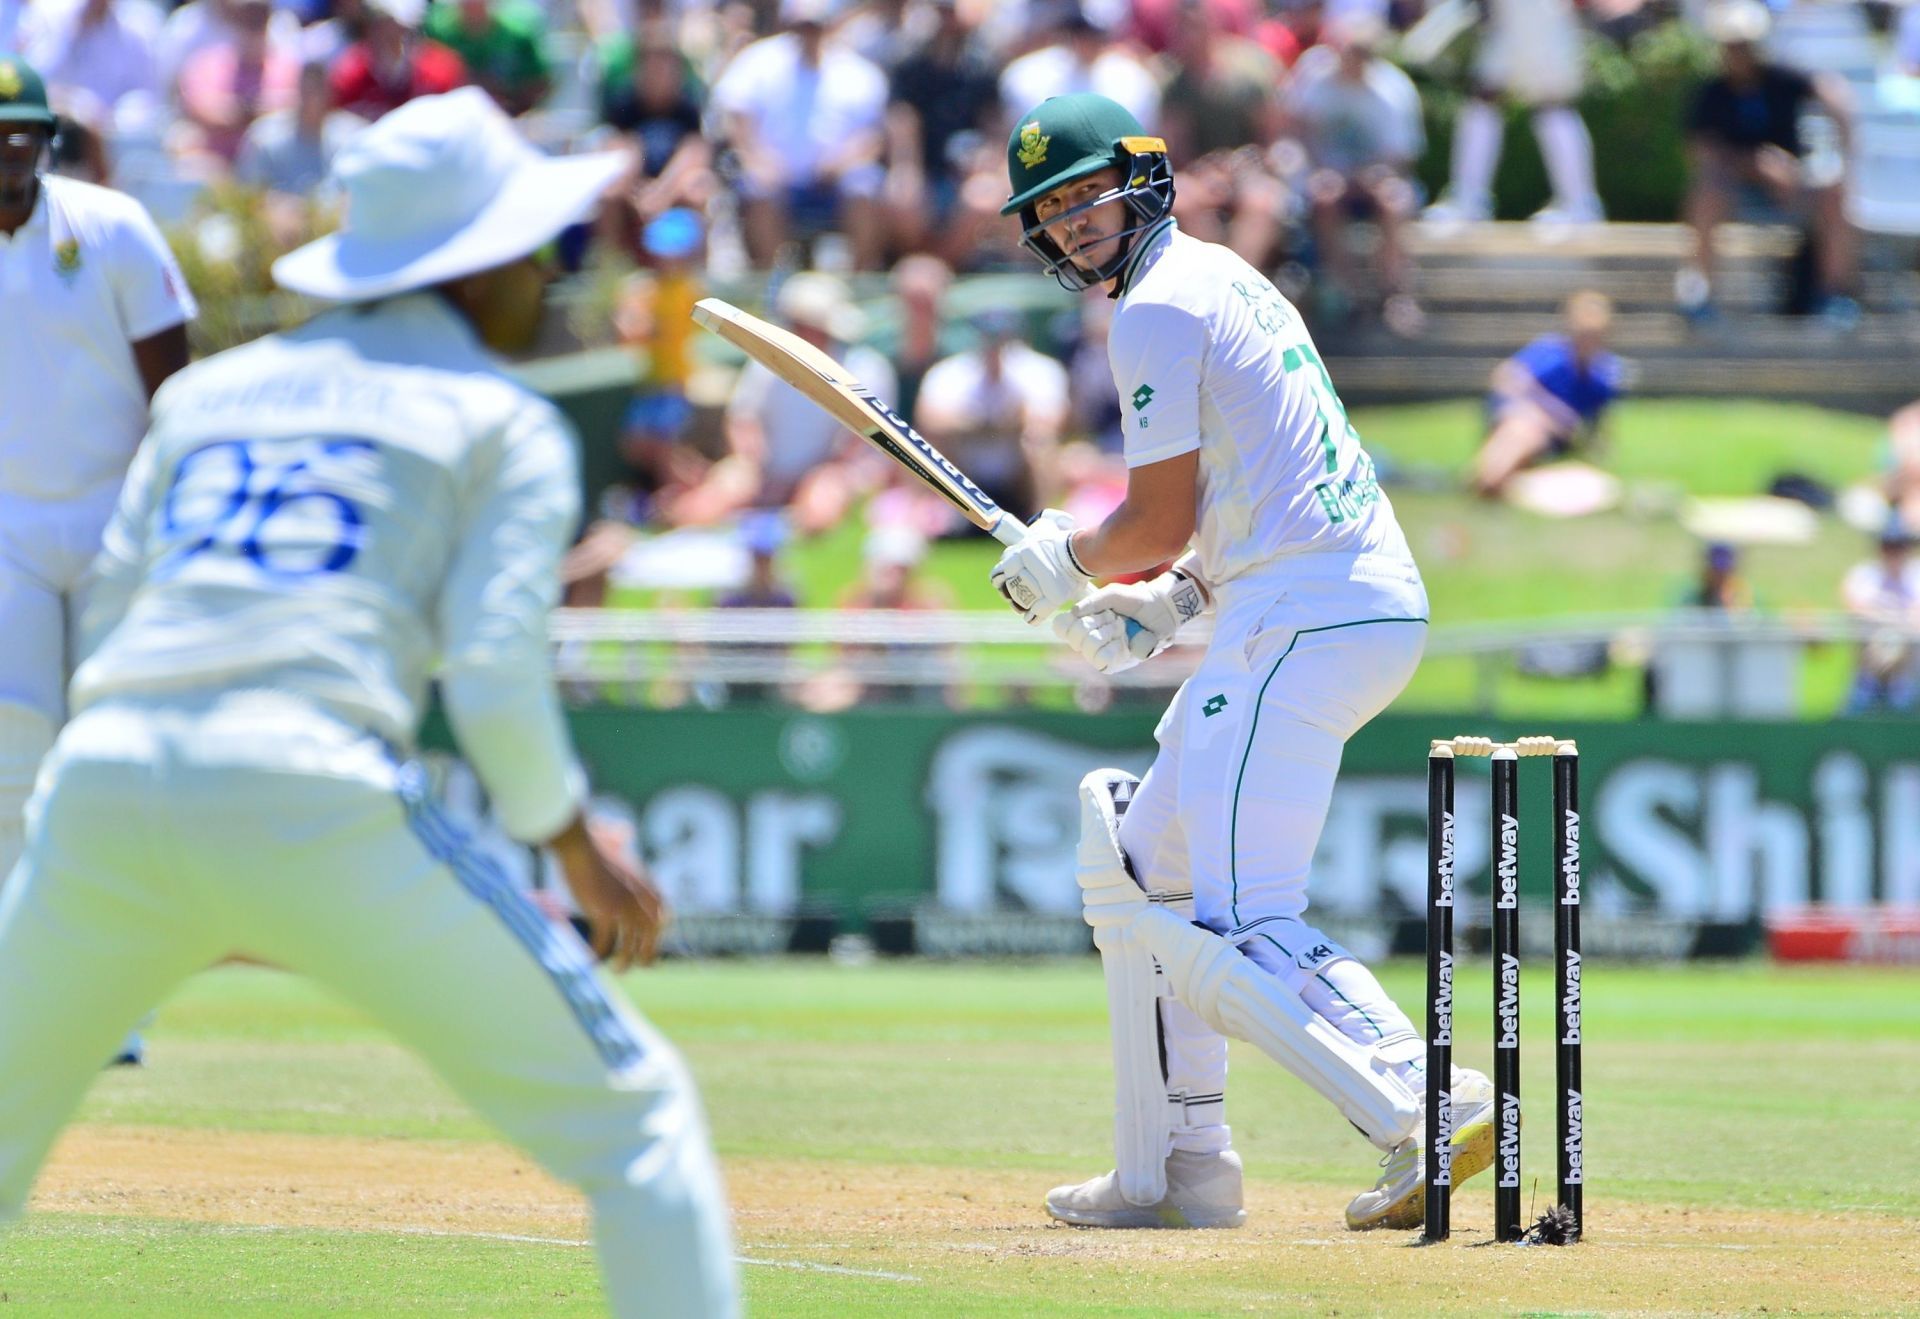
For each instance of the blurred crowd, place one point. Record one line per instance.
(815, 144)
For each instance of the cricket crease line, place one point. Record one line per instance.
(807, 1266)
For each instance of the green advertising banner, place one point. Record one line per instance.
(857, 817)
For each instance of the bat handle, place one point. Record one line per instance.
(1008, 530)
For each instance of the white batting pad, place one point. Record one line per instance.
(1142, 1129)
(1239, 999)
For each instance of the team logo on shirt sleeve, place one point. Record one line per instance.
(1142, 396)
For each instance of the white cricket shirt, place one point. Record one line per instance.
(85, 278)
(336, 512)
(1208, 355)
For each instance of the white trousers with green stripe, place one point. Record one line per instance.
(1236, 799)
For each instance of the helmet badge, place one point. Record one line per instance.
(1033, 145)
(9, 80)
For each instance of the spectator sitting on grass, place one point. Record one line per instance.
(1549, 397)
(1749, 155)
(1884, 594)
(1720, 585)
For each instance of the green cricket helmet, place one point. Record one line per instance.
(1069, 137)
(23, 96)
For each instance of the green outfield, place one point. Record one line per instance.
(888, 1131)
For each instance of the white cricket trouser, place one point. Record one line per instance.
(1235, 801)
(163, 837)
(46, 550)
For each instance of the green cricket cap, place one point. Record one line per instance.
(23, 96)
(1069, 137)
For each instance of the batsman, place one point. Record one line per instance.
(1244, 471)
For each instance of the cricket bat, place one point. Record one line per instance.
(853, 405)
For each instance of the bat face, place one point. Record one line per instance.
(845, 398)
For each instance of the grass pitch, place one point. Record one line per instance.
(888, 1131)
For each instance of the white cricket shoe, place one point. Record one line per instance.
(1399, 1198)
(1203, 1190)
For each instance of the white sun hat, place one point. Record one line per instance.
(441, 187)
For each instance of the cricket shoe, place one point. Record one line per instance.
(1203, 1190)
(1399, 1198)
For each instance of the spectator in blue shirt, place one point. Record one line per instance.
(1549, 397)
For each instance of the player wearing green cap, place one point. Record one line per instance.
(1244, 470)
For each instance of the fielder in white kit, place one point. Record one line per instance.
(1195, 877)
(315, 521)
(93, 316)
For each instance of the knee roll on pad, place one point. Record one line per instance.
(1240, 999)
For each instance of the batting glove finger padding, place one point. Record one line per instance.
(1039, 575)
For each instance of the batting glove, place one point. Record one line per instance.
(1099, 638)
(1148, 615)
(1039, 575)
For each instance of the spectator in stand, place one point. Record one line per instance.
(1551, 396)
(287, 153)
(1093, 407)
(649, 93)
(393, 63)
(922, 333)
(1720, 584)
(503, 43)
(201, 23)
(944, 109)
(1222, 122)
(97, 59)
(323, 40)
(1358, 117)
(1903, 464)
(1884, 595)
(766, 587)
(805, 118)
(1749, 156)
(997, 410)
(782, 451)
(655, 320)
(231, 81)
(1530, 51)
(1081, 58)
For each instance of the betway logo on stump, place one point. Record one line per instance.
(1570, 860)
(1576, 1147)
(1444, 872)
(1570, 999)
(1509, 1140)
(1507, 894)
(1509, 1005)
(1443, 1145)
(1443, 1002)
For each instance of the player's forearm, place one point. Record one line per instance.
(1130, 540)
(510, 728)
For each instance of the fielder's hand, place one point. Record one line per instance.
(1039, 576)
(623, 909)
(1116, 627)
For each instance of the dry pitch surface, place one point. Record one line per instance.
(186, 1190)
